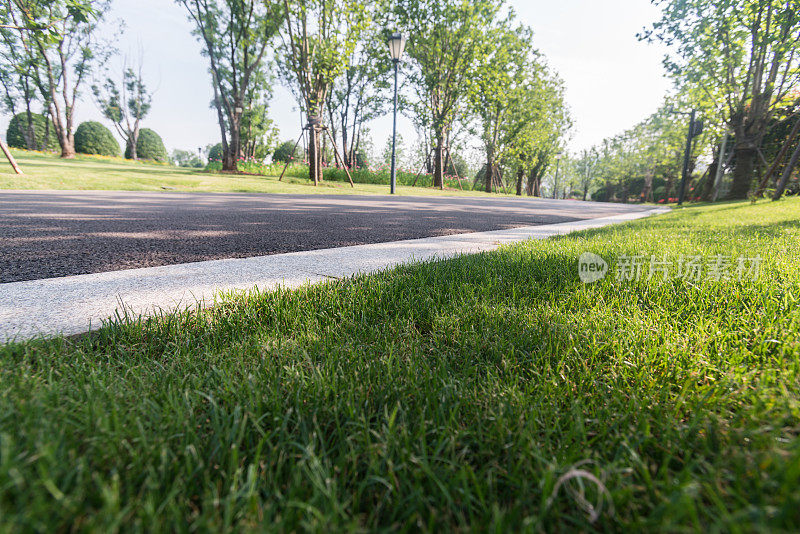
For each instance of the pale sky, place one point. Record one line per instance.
(612, 79)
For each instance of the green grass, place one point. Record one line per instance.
(482, 392)
(47, 171)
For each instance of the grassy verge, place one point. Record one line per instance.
(492, 392)
(365, 175)
(46, 171)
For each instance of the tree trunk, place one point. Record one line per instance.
(30, 135)
(668, 187)
(314, 159)
(346, 150)
(46, 140)
(647, 189)
(489, 178)
(787, 173)
(134, 141)
(67, 141)
(534, 184)
(711, 173)
(438, 163)
(743, 172)
(778, 159)
(231, 156)
(520, 178)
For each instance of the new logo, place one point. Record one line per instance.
(591, 267)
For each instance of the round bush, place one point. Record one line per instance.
(94, 138)
(285, 152)
(150, 146)
(19, 124)
(215, 154)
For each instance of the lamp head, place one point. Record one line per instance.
(397, 43)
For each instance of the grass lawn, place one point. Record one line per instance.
(47, 171)
(493, 392)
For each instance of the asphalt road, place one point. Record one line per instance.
(46, 234)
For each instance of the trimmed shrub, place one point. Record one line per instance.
(19, 124)
(215, 154)
(285, 152)
(150, 146)
(93, 138)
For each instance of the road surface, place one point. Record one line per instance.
(45, 234)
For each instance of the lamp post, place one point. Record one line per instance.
(397, 43)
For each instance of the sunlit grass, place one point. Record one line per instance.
(493, 392)
(47, 171)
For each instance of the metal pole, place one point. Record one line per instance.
(687, 155)
(394, 132)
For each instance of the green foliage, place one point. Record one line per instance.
(47, 19)
(363, 92)
(93, 138)
(738, 59)
(446, 42)
(482, 393)
(400, 151)
(362, 159)
(216, 152)
(150, 147)
(235, 37)
(186, 158)
(125, 105)
(321, 37)
(361, 175)
(286, 151)
(631, 163)
(519, 102)
(17, 135)
(57, 45)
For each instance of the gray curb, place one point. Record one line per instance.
(76, 304)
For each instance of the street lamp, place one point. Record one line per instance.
(397, 43)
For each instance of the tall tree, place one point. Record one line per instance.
(259, 135)
(585, 168)
(743, 54)
(20, 93)
(361, 93)
(445, 42)
(125, 105)
(540, 124)
(235, 35)
(319, 41)
(59, 38)
(502, 79)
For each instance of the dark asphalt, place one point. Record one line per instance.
(45, 234)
